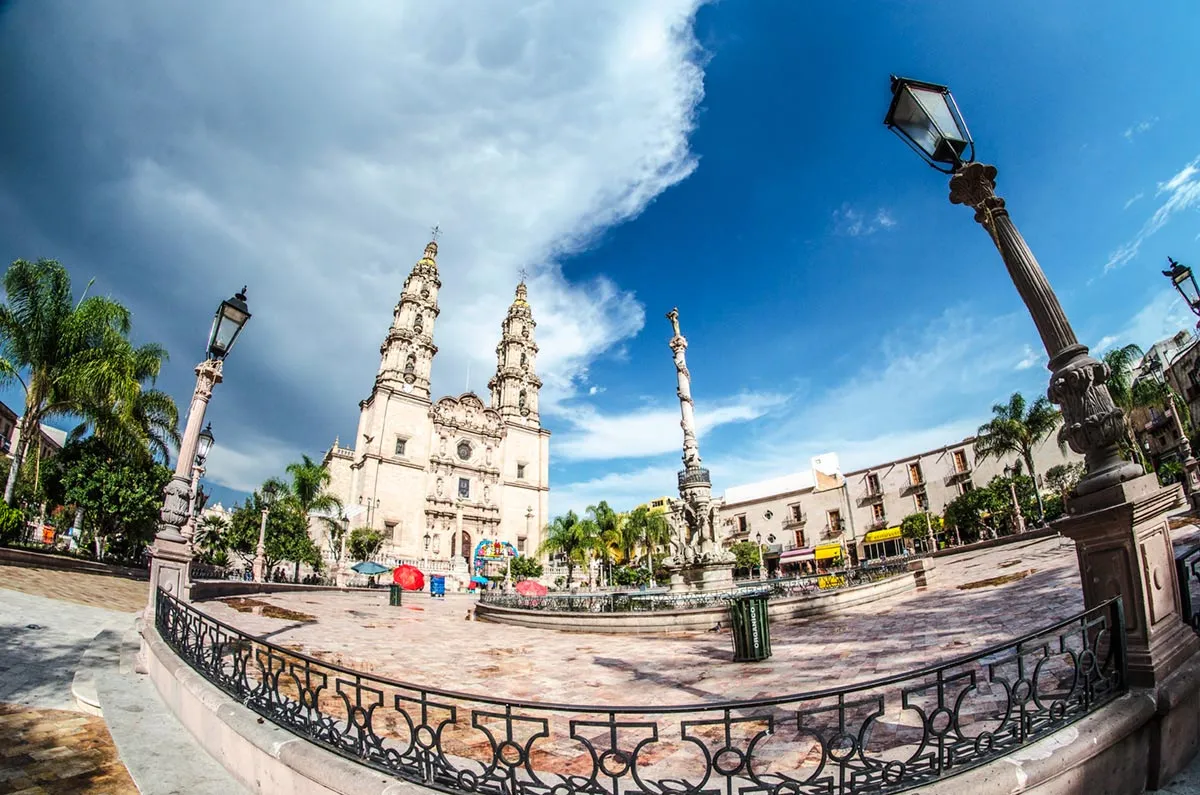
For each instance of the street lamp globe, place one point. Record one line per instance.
(1181, 276)
(204, 443)
(269, 492)
(231, 317)
(926, 117)
(427, 542)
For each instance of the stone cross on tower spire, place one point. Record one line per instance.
(515, 385)
(406, 355)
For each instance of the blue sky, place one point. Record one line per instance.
(728, 159)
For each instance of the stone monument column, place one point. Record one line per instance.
(698, 561)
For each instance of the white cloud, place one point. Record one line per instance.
(1182, 192)
(306, 149)
(854, 223)
(1139, 128)
(1029, 357)
(1133, 199)
(650, 431)
(1106, 342)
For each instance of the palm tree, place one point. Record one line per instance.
(570, 537)
(69, 358)
(1122, 368)
(138, 420)
(650, 530)
(1016, 430)
(608, 532)
(307, 489)
(209, 532)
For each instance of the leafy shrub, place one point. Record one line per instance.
(12, 524)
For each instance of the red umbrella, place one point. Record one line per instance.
(408, 577)
(531, 588)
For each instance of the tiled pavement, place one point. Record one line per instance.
(431, 642)
(58, 752)
(45, 745)
(95, 590)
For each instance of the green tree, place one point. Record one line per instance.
(120, 495)
(916, 526)
(134, 419)
(1063, 477)
(364, 543)
(650, 530)
(286, 537)
(526, 568)
(69, 358)
(975, 512)
(1016, 429)
(1129, 392)
(308, 494)
(746, 555)
(571, 537)
(210, 533)
(608, 537)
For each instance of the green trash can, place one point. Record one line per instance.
(751, 627)
(394, 596)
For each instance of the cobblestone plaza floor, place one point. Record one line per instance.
(431, 642)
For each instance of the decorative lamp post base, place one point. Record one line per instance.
(170, 569)
(1123, 545)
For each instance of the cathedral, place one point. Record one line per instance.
(453, 485)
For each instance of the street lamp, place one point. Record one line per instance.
(762, 558)
(197, 498)
(427, 540)
(260, 553)
(1010, 472)
(926, 116)
(171, 552)
(1191, 467)
(1185, 282)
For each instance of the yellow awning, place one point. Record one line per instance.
(826, 551)
(886, 534)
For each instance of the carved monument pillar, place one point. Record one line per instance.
(1118, 513)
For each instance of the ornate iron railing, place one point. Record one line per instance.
(689, 476)
(1187, 571)
(882, 736)
(643, 602)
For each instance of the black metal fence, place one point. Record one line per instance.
(633, 601)
(881, 736)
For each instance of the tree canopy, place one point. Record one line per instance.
(1016, 429)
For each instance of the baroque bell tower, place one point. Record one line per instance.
(406, 355)
(515, 385)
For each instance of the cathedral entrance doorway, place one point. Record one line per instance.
(465, 547)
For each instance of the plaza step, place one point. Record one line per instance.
(161, 755)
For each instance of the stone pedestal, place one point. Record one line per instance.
(1124, 548)
(923, 571)
(701, 577)
(170, 565)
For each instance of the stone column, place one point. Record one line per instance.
(171, 553)
(691, 449)
(1118, 514)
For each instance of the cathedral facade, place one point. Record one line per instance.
(437, 478)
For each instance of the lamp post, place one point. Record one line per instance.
(260, 553)
(927, 118)
(762, 557)
(1010, 472)
(203, 444)
(1191, 467)
(1118, 513)
(427, 540)
(1185, 282)
(170, 554)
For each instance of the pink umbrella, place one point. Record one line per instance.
(531, 588)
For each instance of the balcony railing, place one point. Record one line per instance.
(690, 477)
(886, 735)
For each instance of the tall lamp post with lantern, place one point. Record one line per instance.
(269, 492)
(1191, 467)
(203, 445)
(1118, 513)
(171, 552)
